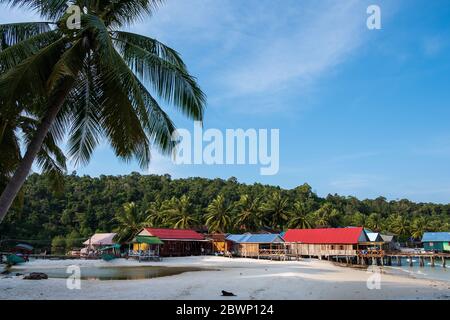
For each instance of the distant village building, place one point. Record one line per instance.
(436, 241)
(179, 242)
(97, 242)
(326, 242)
(374, 237)
(219, 242)
(254, 245)
(390, 242)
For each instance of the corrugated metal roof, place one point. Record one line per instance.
(436, 236)
(254, 238)
(101, 239)
(175, 234)
(374, 236)
(326, 235)
(387, 238)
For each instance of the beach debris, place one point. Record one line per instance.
(36, 276)
(227, 294)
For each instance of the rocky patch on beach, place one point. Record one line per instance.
(36, 276)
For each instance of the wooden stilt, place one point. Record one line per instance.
(432, 261)
(421, 262)
(443, 262)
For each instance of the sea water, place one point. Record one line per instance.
(427, 272)
(113, 272)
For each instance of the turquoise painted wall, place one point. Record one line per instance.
(439, 246)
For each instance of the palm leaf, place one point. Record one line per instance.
(170, 82)
(49, 9)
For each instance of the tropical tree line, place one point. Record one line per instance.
(127, 203)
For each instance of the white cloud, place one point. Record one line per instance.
(257, 51)
(297, 52)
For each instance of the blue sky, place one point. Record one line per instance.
(361, 112)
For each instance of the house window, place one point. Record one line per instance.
(332, 247)
(341, 247)
(431, 244)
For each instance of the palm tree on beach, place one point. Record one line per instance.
(218, 217)
(418, 226)
(130, 221)
(155, 218)
(50, 158)
(275, 210)
(91, 82)
(375, 222)
(300, 218)
(248, 213)
(325, 216)
(400, 225)
(179, 213)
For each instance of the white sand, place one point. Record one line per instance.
(247, 278)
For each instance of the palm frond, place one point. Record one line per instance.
(28, 79)
(10, 56)
(84, 109)
(169, 81)
(125, 12)
(151, 45)
(14, 33)
(49, 9)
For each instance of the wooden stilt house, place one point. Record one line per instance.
(326, 242)
(255, 245)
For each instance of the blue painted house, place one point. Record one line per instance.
(253, 245)
(436, 241)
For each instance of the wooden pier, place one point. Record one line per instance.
(381, 258)
(375, 257)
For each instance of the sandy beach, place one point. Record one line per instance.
(247, 278)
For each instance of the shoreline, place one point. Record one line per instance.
(247, 278)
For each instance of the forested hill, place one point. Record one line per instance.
(91, 204)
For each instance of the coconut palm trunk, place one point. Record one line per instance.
(90, 83)
(18, 179)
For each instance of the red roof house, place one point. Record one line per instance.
(172, 234)
(179, 242)
(326, 236)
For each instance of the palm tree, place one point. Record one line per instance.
(218, 217)
(360, 219)
(418, 226)
(275, 210)
(50, 158)
(375, 222)
(155, 217)
(400, 225)
(248, 213)
(91, 83)
(179, 212)
(130, 221)
(325, 216)
(300, 218)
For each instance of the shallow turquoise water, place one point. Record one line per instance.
(426, 272)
